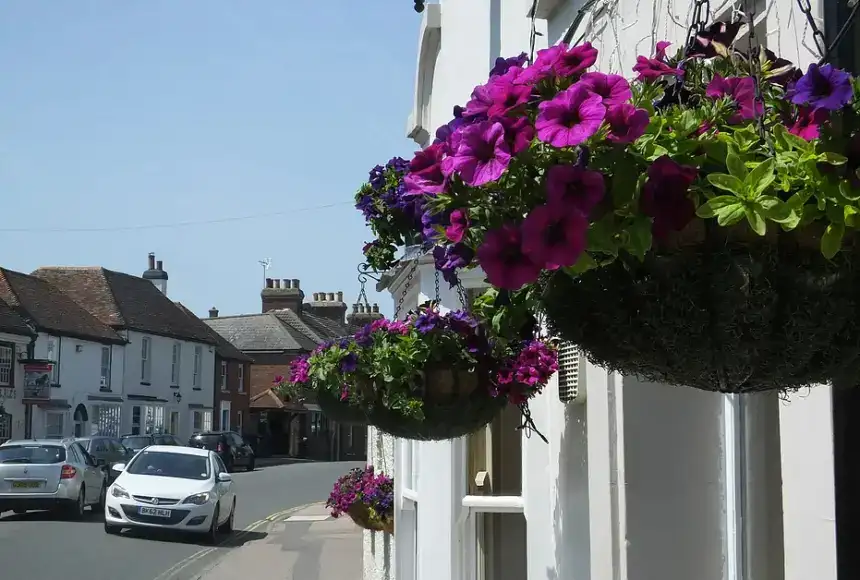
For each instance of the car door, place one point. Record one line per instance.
(92, 475)
(224, 489)
(241, 450)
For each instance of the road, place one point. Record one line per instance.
(42, 545)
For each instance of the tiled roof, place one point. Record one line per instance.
(124, 301)
(11, 322)
(50, 310)
(222, 346)
(278, 330)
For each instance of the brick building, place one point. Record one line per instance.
(288, 327)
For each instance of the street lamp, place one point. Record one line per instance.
(178, 397)
(419, 6)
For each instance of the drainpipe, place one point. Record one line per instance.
(28, 407)
(734, 438)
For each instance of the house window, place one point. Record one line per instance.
(207, 420)
(174, 423)
(225, 416)
(7, 362)
(239, 422)
(496, 526)
(135, 420)
(5, 427)
(224, 375)
(197, 421)
(104, 383)
(54, 425)
(198, 366)
(52, 356)
(175, 364)
(241, 378)
(106, 420)
(154, 420)
(145, 359)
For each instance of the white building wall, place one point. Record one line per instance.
(10, 399)
(641, 481)
(379, 559)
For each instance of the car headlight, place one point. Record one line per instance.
(117, 491)
(197, 498)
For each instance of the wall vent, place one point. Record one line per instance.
(571, 383)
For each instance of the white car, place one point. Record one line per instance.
(169, 487)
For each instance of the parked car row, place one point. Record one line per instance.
(149, 481)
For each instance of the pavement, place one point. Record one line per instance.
(43, 545)
(306, 544)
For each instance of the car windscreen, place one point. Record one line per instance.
(136, 443)
(206, 441)
(39, 454)
(163, 464)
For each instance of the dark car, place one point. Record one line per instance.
(230, 446)
(138, 442)
(107, 451)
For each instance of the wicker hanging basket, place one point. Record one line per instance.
(455, 403)
(361, 515)
(718, 309)
(339, 411)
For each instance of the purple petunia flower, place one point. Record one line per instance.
(425, 172)
(349, 363)
(503, 65)
(519, 133)
(651, 69)
(626, 123)
(582, 187)
(665, 196)
(506, 94)
(482, 153)
(574, 62)
(451, 258)
(570, 118)
(823, 87)
(479, 103)
(456, 231)
(613, 89)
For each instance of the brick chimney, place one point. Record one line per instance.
(213, 312)
(156, 274)
(363, 314)
(329, 305)
(277, 296)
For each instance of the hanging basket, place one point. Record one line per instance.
(718, 309)
(339, 411)
(363, 518)
(455, 403)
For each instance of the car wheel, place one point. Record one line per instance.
(227, 527)
(76, 509)
(111, 529)
(212, 533)
(252, 464)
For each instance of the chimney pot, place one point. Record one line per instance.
(152, 260)
(355, 308)
(361, 308)
(287, 283)
(375, 308)
(340, 296)
(316, 296)
(270, 283)
(159, 265)
(277, 283)
(296, 283)
(331, 296)
(213, 312)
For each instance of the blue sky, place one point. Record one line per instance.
(128, 114)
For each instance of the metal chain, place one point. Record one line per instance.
(806, 7)
(534, 33)
(701, 14)
(577, 20)
(438, 296)
(755, 67)
(464, 298)
(407, 285)
(837, 40)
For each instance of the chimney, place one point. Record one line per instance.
(329, 305)
(277, 297)
(155, 273)
(363, 314)
(213, 312)
(340, 296)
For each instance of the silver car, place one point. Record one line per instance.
(50, 474)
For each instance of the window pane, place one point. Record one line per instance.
(501, 546)
(6, 361)
(494, 457)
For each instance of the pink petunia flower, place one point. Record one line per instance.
(626, 123)
(459, 226)
(570, 118)
(808, 123)
(503, 261)
(742, 92)
(425, 171)
(554, 235)
(665, 196)
(571, 185)
(482, 154)
(506, 94)
(613, 89)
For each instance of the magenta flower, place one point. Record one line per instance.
(482, 154)
(459, 226)
(425, 171)
(480, 102)
(660, 50)
(574, 62)
(570, 118)
(572, 185)
(554, 235)
(808, 123)
(626, 123)
(742, 92)
(613, 89)
(651, 69)
(519, 133)
(543, 66)
(506, 94)
(503, 261)
(823, 87)
(503, 65)
(665, 196)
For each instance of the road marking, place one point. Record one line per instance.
(307, 518)
(182, 564)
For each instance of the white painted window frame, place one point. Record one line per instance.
(145, 359)
(223, 378)
(7, 364)
(241, 377)
(176, 364)
(198, 366)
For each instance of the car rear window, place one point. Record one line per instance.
(165, 464)
(39, 454)
(206, 441)
(137, 443)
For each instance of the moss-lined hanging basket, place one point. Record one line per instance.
(454, 403)
(719, 309)
(339, 410)
(363, 518)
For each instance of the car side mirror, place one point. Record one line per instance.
(100, 462)
(119, 467)
(224, 478)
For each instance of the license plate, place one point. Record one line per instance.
(26, 484)
(157, 512)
